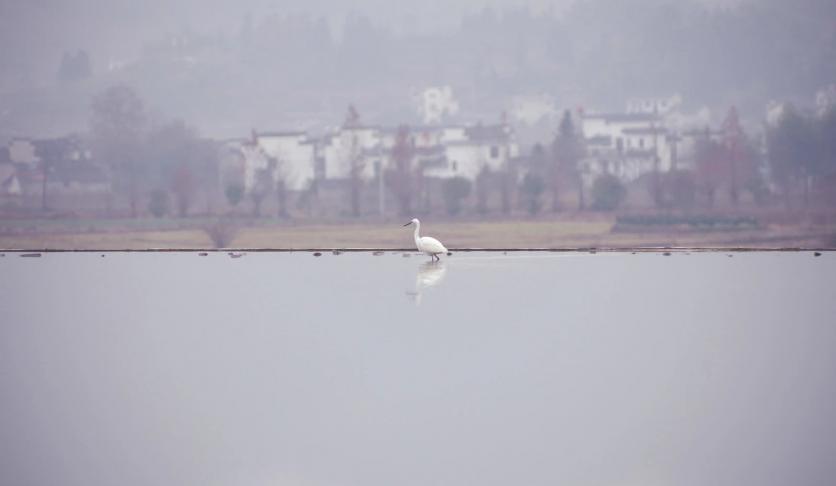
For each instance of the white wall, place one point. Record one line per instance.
(638, 148)
(467, 159)
(22, 151)
(295, 156)
(348, 143)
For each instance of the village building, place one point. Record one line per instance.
(294, 155)
(22, 151)
(442, 151)
(436, 103)
(11, 189)
(653, 134)
(627, 145)
(49, 172)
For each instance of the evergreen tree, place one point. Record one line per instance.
(567, 151)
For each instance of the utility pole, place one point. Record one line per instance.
(378, 168)
(657, 186)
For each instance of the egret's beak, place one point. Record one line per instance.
(407, 224)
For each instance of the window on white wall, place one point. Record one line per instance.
(494, 151)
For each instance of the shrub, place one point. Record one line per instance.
(159, 204)
(680, 189)
(607, 193)
(454, 191)
(234, 193)
(221, 232)
(532, 187)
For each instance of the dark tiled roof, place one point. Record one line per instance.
(434, 150)
(701, 133)
(599, 140)
(639, 153)
(645, 131)
(436, 162)
(361, 127)
(622, 117)
(289, 133)
(59, 147)
(487, 132)
(84, 173)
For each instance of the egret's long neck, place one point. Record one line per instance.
(417, 236)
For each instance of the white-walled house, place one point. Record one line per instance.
(455, 150)
(437, 102)
(628, 145)
(10, 185)
(22, 151)
(358, 142)
(482, 146)
(241, 160)
(658, 106)
(442, 152)
(295, 157)
(291, 156)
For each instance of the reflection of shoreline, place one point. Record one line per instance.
(429, 275)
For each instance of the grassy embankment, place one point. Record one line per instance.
(538, 233)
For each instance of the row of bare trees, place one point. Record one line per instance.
(556, 169)
(797, 162)
(802, 155)
(170, 161)
(151, 159)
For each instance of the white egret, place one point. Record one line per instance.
(427, 244)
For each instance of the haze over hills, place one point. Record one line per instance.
(226, 68)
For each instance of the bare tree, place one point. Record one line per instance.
(281, 198)
(222, 232)
(181, 162)
(400, 176)
(118, 123)
(483, 186)
(262, 186)
(709, 166)
(792, 152)
(183, 187)
(733, 138)
(506, 188)
(454, 190)
(49, 153)
(356, 163)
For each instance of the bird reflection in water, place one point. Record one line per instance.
(429, 275)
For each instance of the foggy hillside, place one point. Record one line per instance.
(227, 68)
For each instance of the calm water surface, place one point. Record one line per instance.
(355, 369)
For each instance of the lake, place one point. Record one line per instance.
(362, 369)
